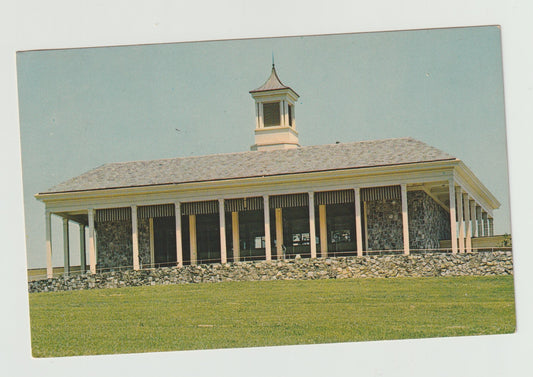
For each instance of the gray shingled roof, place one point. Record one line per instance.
(254, 164)
(272, 83)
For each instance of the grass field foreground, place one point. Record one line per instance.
(268, 313)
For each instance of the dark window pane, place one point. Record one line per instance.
(290, 116)
(271, 116)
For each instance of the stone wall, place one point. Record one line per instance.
(377, 266)
(384, 225)
(114, 243)
(144, 241)
(428, 222)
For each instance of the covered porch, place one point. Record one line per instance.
(363, 219)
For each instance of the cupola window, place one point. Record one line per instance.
(291, 123)
(271, 114)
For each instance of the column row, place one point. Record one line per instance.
(467, 220)
(235, 236)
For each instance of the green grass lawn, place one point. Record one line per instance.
(246, 314)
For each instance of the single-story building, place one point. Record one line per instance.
(275, 201)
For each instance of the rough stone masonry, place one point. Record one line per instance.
(376, 266)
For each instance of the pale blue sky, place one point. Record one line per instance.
(81, 108)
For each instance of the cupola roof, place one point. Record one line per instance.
(272, 83)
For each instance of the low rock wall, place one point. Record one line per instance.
(377, 266)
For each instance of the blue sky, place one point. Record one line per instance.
(81, 108)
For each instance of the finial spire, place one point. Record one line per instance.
(272, 59)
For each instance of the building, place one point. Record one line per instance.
(327, 200)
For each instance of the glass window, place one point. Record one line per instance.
(259, 242)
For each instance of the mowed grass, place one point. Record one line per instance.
(269, 313)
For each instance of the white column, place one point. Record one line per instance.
(323, 226)
(266, 211)
(152, 245)
(479, 222)
(279, 233)
(135, 237)
(365, 217)
(236, 236)
(453, 221)
(484, 216)
(257, 122)
(222, 221)
(491, 226)
(282, 113)
(312, 229)
(83, 262)
(468, 229)
(261, 120)
(293, 113)
(192, 239)
(48, 237)
(66, 247)
(405, 219)
(358, 227)
(92, 243)
(473, 218)
(459, 198)
(179, 246)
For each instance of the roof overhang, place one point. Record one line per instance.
(273, 94)
(473, 186)
(415, 173)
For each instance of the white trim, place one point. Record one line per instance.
(279, 184)
(358, 232)
(468, 228)
(312, 227)
(453, 220)
(48, 244)
(200, 191)
(459, 199)
(365, 211)
(92, 241)
(135, 238)
(66, 247)
(473, 224)
(405, 220)
(83, 261)
(179, 243)
(266, 213)
(222, 224)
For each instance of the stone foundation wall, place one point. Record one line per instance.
(378, 266)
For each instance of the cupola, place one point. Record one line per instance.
(275, 126)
